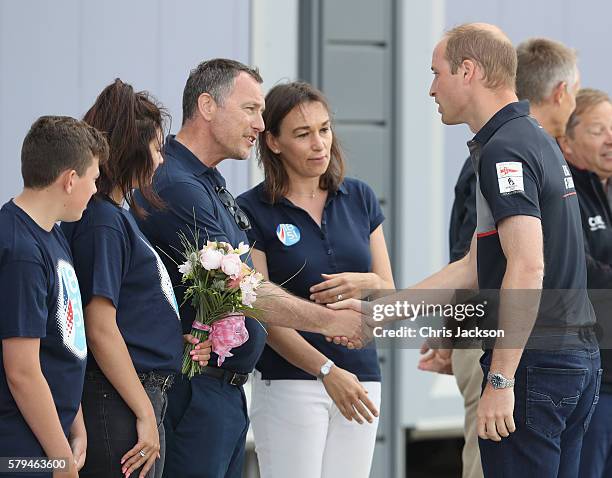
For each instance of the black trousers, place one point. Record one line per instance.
(111, 428)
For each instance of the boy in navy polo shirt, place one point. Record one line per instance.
(42, 363)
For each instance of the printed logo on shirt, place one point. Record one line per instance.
(510, 177)
(288, 234)
(164, 281)
(596, 222)
(569, 183)
(69, 313)
(566, 170)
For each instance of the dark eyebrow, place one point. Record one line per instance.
(254, 103)
(295, 130)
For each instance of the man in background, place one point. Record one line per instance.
(587, 147)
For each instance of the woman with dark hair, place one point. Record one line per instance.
(131, 315)
(320, 234)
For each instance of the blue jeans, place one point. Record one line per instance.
(206, 427)
(596, 457)
(555, 396)
(111, 428)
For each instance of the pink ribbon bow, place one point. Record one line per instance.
(225, 334)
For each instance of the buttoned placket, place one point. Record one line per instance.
(322, 229)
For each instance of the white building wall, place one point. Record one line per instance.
(56, 56)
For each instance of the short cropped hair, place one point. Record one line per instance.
(542, 65)
(55, 144)
(215, 77)
(586, 99)
(491, 50)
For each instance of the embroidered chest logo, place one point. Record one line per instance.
(69, 313)
(510, 177)
(288, 234)
(164, 280)
(568, 180)
(596, 222)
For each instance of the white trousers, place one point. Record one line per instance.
(300, 433)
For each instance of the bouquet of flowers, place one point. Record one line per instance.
(221, 289)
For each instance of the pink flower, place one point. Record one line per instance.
(247, 287)
(210, 259)
(231, 265)
(248, 298)
(233, 283)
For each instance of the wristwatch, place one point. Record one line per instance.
(497, 380)
(325, 368)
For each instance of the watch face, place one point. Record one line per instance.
(496, 381)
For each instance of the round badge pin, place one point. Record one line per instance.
(288, 234)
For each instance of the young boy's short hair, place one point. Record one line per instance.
(55, 144)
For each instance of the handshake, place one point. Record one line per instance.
(352, 325)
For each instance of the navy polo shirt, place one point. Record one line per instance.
(187, 187)
(40, 299)
(521, 171)
(292, 240)
(113, 259)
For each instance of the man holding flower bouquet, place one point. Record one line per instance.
(202, 227)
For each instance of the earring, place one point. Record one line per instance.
(276, 151)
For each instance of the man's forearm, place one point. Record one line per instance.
(518, 310)
(437, 289)
(282, 309)
(460, 274)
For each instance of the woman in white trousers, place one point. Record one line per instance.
(315, 404)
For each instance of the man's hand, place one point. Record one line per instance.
(435, 360)
(495, 413)
(350, 314)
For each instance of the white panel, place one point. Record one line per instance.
(192, 31)
(274, 49)
(38, 74)
(588, 30)
(116, 45)
(420, 160)
(56, 56)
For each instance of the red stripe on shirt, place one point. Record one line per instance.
(485, 234)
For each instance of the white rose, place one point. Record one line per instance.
(185, 268)
(231, 265)
(210, 259)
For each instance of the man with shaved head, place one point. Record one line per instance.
(548, 76)
(541, 378)
(536, 399)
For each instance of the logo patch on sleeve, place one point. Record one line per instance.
(510, 177)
